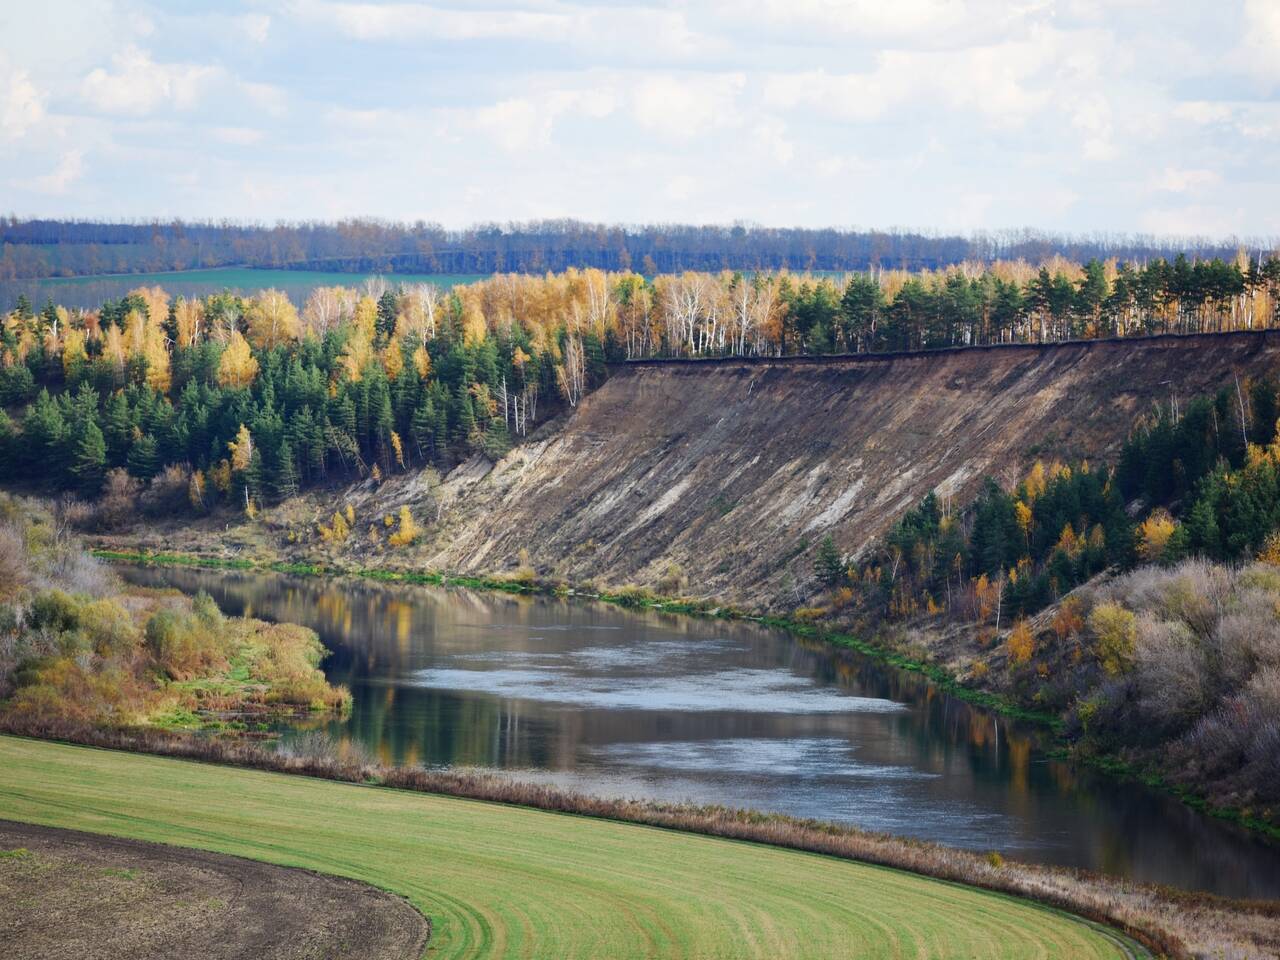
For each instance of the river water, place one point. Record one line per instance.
(643, 704)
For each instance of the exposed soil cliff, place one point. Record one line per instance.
(733, 470)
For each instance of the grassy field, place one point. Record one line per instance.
(501, 881)
(90, 291)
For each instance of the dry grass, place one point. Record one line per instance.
(1176, 923)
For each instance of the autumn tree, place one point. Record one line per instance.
(237, 366)
(273, 320)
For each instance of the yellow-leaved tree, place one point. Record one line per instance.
(156, 353)
(273, 319)
(1021, 645)
(73, 350)
(237, 367)
(1114, 632)
(408, 532)
(422, 361)
(1154, 534)
(393, 360)
(195, 490)
(241, 450)
(358, 350)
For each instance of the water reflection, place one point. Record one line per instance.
(645, 704)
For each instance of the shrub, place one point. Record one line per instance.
(53, 610)
(287, 657)
(1171, 673)
(1068, 621)
(182, 646)
(109, 628)
(119, 501)
(408, 532)
(1021, 645)
(166, 494)
(14, 572)
(339, 527)
(1113, 629)
(1237, 746)
(673, 581)
(80, 573)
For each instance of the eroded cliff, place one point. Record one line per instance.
(734, 470)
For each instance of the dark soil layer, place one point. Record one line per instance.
(66, 895)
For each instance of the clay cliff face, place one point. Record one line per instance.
(735, 470)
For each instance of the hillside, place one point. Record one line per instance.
(732, 470)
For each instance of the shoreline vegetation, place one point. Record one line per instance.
(637, 598)
(76, 645)
(1169, 922)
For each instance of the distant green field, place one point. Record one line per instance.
(501, 881)
(92, 290)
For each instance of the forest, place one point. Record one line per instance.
(247, 400)
(57, 248)
(1205, 481)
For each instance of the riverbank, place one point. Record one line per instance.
(812, 630)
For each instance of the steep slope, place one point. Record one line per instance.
(733, 470)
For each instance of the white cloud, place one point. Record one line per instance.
(909, 22)
(240, 136)
(1175, 180)
(610, 32)
(525, 123)
(514, 124)
(681, 187)
(1261, 45)
(21, 105)
(266, 97)
(403, 21)
(997, 82)
(1193, 220)
(1202, 111)
(70, 168)
(769, 135)
(256, 26)
(683, 106)
(139, 85)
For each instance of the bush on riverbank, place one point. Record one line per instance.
(1196, 678)
(76, 646)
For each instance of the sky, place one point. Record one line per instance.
(1078, 116)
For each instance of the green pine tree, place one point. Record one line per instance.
(90, 461)
(423, 427)
(464, 423)
(496, 440)
(285, 474)
(828, 564)
(143, 460)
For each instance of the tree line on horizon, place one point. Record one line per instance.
(250, 399)
(61, 248)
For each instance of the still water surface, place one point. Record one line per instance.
(644, 704)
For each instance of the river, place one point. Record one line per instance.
(627, 703)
